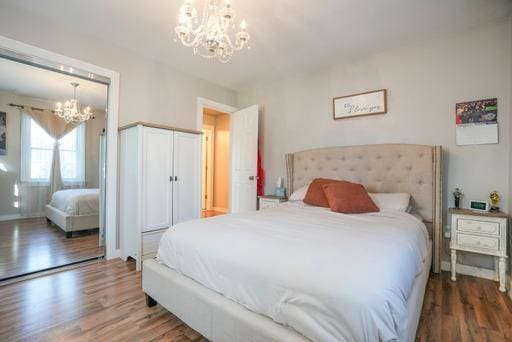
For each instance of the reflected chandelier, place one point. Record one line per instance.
(70, 111)
(211, 39)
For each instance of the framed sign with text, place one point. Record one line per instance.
(362, 104)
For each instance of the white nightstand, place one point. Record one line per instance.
(480, 232)
(270, 201)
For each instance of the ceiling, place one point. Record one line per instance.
(287, 36)
(42, 84)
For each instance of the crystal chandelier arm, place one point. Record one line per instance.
(192, 38)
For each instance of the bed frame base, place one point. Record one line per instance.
(220, 319)
(208, 312)
(71, 223)
(150, 302)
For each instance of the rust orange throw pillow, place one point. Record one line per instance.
(315, 194)
(349, 198)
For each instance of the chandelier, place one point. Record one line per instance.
(70, 111)
(211, 38)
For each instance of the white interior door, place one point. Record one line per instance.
(244, 159)
(187, 182)
(157, 185)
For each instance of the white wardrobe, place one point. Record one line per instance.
(159, 185)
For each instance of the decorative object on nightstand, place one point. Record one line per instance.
(483, 233)
(280, 190)
(457, 195)
(495, 200)
(270, 201)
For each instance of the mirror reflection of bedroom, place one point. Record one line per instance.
(215, 163)
(52, 143)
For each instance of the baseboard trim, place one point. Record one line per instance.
(20, 216)
(221, 210)
(469, 270)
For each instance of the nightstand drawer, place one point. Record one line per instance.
(478, 242)
(481, 227)
(264, 204)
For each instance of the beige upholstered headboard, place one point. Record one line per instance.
(415, 169)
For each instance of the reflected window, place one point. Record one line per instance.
(37, 153)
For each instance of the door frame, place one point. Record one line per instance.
(51, 60)
(203, 103)
(210, 161)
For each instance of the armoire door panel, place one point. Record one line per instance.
(157, 187)
(187, 164)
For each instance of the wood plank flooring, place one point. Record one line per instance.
(104, 302)
(30, 245)
(99, 302)
(210, 213)
(470, 309)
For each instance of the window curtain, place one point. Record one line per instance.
(56, 128)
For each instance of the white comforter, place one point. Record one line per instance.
(77, 201)
(329, 276)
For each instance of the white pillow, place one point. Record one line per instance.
(299, 194)
(396, 201)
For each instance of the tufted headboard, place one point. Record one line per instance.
(414, 169)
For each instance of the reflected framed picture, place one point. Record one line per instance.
(362, 104)
(3, 134)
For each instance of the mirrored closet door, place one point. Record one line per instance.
(52, 168)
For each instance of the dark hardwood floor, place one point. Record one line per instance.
(104, 302)
(470, 309)
(31, 245)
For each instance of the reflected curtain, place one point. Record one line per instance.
(56, 128)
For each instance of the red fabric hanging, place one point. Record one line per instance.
(261, 174)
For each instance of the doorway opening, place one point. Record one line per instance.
(215, 163)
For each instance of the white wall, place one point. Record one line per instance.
(92, 148)
(149, 91)
(510, 98)
(424, 82)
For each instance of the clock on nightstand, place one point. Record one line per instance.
(270, 201)
(483, 233)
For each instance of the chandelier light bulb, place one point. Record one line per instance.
(243, 25)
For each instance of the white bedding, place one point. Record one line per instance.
(77, 201)
(329, 276)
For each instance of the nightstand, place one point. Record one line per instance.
(480, 232)
(270, 201)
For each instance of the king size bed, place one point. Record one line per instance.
(299, 272)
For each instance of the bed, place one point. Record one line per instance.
(74, 210)
(280, 274)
